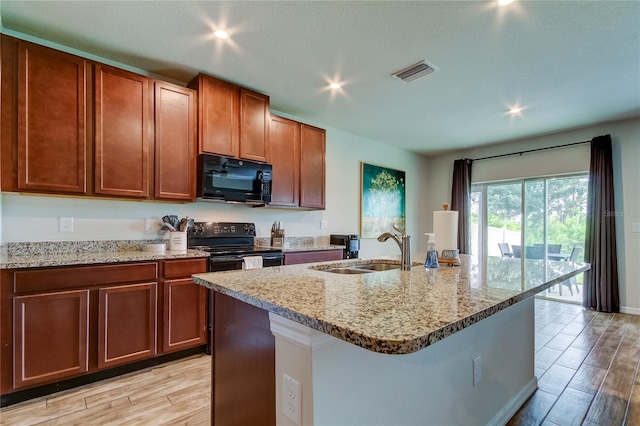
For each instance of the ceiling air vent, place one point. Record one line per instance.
(414, 72)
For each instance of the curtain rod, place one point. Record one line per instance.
(531, 150)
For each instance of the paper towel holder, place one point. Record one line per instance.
(449, 257)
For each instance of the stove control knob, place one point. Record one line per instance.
(252, 228)
(233, 228)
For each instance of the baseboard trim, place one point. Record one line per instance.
(627, 310)
(514, 404)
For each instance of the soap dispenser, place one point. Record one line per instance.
(432, 252)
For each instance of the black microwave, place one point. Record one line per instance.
(232, 180)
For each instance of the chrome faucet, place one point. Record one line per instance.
(404, 242)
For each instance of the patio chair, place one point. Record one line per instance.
(517, 252)
(505, 250)
(572, 281)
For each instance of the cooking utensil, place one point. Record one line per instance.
(169, 227)
(174, 221)
(183, 224)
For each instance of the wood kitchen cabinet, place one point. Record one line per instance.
(185, 305)
(254, 125)
(312, 167)
(127, 323)
(45, 139)
(284, 143)
(232, 120)
(51, 337)
(122, 137)
(74, 126)
(298, 159)
(175, 142)
(60, 323)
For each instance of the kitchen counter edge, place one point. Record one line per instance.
(88, 258)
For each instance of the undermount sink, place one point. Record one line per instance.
(347, 271)
(378, 266)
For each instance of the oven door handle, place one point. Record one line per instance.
(272, 257)
(218, 259)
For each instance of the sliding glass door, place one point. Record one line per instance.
(540, 218)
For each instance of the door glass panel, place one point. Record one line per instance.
(550, 220)
(504, 218)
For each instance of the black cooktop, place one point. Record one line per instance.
(226, 238)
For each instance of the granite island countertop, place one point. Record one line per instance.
(394, 311)
(42, 260)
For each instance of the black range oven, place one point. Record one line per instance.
(228, 243)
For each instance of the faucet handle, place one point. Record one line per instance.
(398, 229)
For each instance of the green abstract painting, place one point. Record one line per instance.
(383, 200)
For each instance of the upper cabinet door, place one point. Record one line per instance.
(218, 116)
(52, 117)
(312, 167)
(122, 133)
(284, 145)
(254, 125)
(175, 142)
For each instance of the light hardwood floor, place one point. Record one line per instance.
(177, 393)
(586, 363)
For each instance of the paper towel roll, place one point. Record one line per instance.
(445, 226)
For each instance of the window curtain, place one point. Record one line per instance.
(461, 201)
(601, 282)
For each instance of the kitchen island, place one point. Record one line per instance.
(387, 347)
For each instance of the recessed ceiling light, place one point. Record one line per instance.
(504, 2)
(515, 110)
(221, 34)
(335, 86)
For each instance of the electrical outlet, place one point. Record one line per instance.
(66, 224)
(323, 224)
(291, 398)
(477, 370)
(152, 226)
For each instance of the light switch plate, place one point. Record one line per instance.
(635, 227)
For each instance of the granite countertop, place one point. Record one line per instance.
(391, 312)
(87, 258)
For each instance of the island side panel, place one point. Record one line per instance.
(435, 385)
(243, 365)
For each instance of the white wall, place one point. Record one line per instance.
(626, 152)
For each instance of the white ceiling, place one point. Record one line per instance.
(568, 63)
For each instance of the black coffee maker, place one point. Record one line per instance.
(350, 244)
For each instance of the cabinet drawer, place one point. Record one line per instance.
(312, 256)
(73, 277)
(184, 268)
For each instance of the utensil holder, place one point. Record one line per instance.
(177, 241)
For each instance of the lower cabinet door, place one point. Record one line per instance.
(127, 323)
(51, 337)
(185, 315)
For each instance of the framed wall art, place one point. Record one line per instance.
(383, 200)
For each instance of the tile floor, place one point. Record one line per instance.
(587, 368)
(586, 363)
